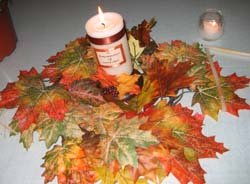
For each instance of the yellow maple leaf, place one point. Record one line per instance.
(127, 85)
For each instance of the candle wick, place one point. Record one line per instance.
(103, 24)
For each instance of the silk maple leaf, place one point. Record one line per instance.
(180, 134)
(152, 164)
(142, 32)
(56, 109)
(170, 78)
(122, 176)
(147, 95)
(179, 51)
(74, 63)
(70, 164)
(87, 91)
(9, 96)
(104, 78)
(127, 85)
(21, 94)
(51, 129)
(207, 94)
(120, 136)
(25, 117)
(33, 98)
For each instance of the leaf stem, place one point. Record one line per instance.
(109, 144)
(206, 94)
(217, 81)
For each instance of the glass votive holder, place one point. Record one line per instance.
(211, 24)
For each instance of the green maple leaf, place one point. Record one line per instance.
(14, 127)
(208, 98)
(71, 124)
(123, 136)
(31, 86)
(27, 136)
(98, 118)
(50, 131)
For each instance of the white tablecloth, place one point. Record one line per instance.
(44, 26)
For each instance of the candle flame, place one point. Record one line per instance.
(101, 16)
(213, 22)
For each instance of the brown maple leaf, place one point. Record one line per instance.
(170, 78)
(87, 91)
(142, 32)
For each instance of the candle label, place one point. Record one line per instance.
(110, 58)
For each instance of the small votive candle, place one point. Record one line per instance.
(211, 25)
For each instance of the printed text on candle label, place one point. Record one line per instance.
(111, 57)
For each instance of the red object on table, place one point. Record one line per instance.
(8, 37)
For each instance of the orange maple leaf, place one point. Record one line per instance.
(105, 79)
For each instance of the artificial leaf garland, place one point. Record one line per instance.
(109, 137)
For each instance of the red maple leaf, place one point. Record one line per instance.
(9, 96)
(177, 43)
(25, 73)
(52, 59)
(235, 104)
(237, 82)
(56, 109)
(50, 72)
(25, 117)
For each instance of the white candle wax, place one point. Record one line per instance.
(212, 30)
(108, 38)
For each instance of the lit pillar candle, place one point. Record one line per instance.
(107, 35)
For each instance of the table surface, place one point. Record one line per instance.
(44, 26)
